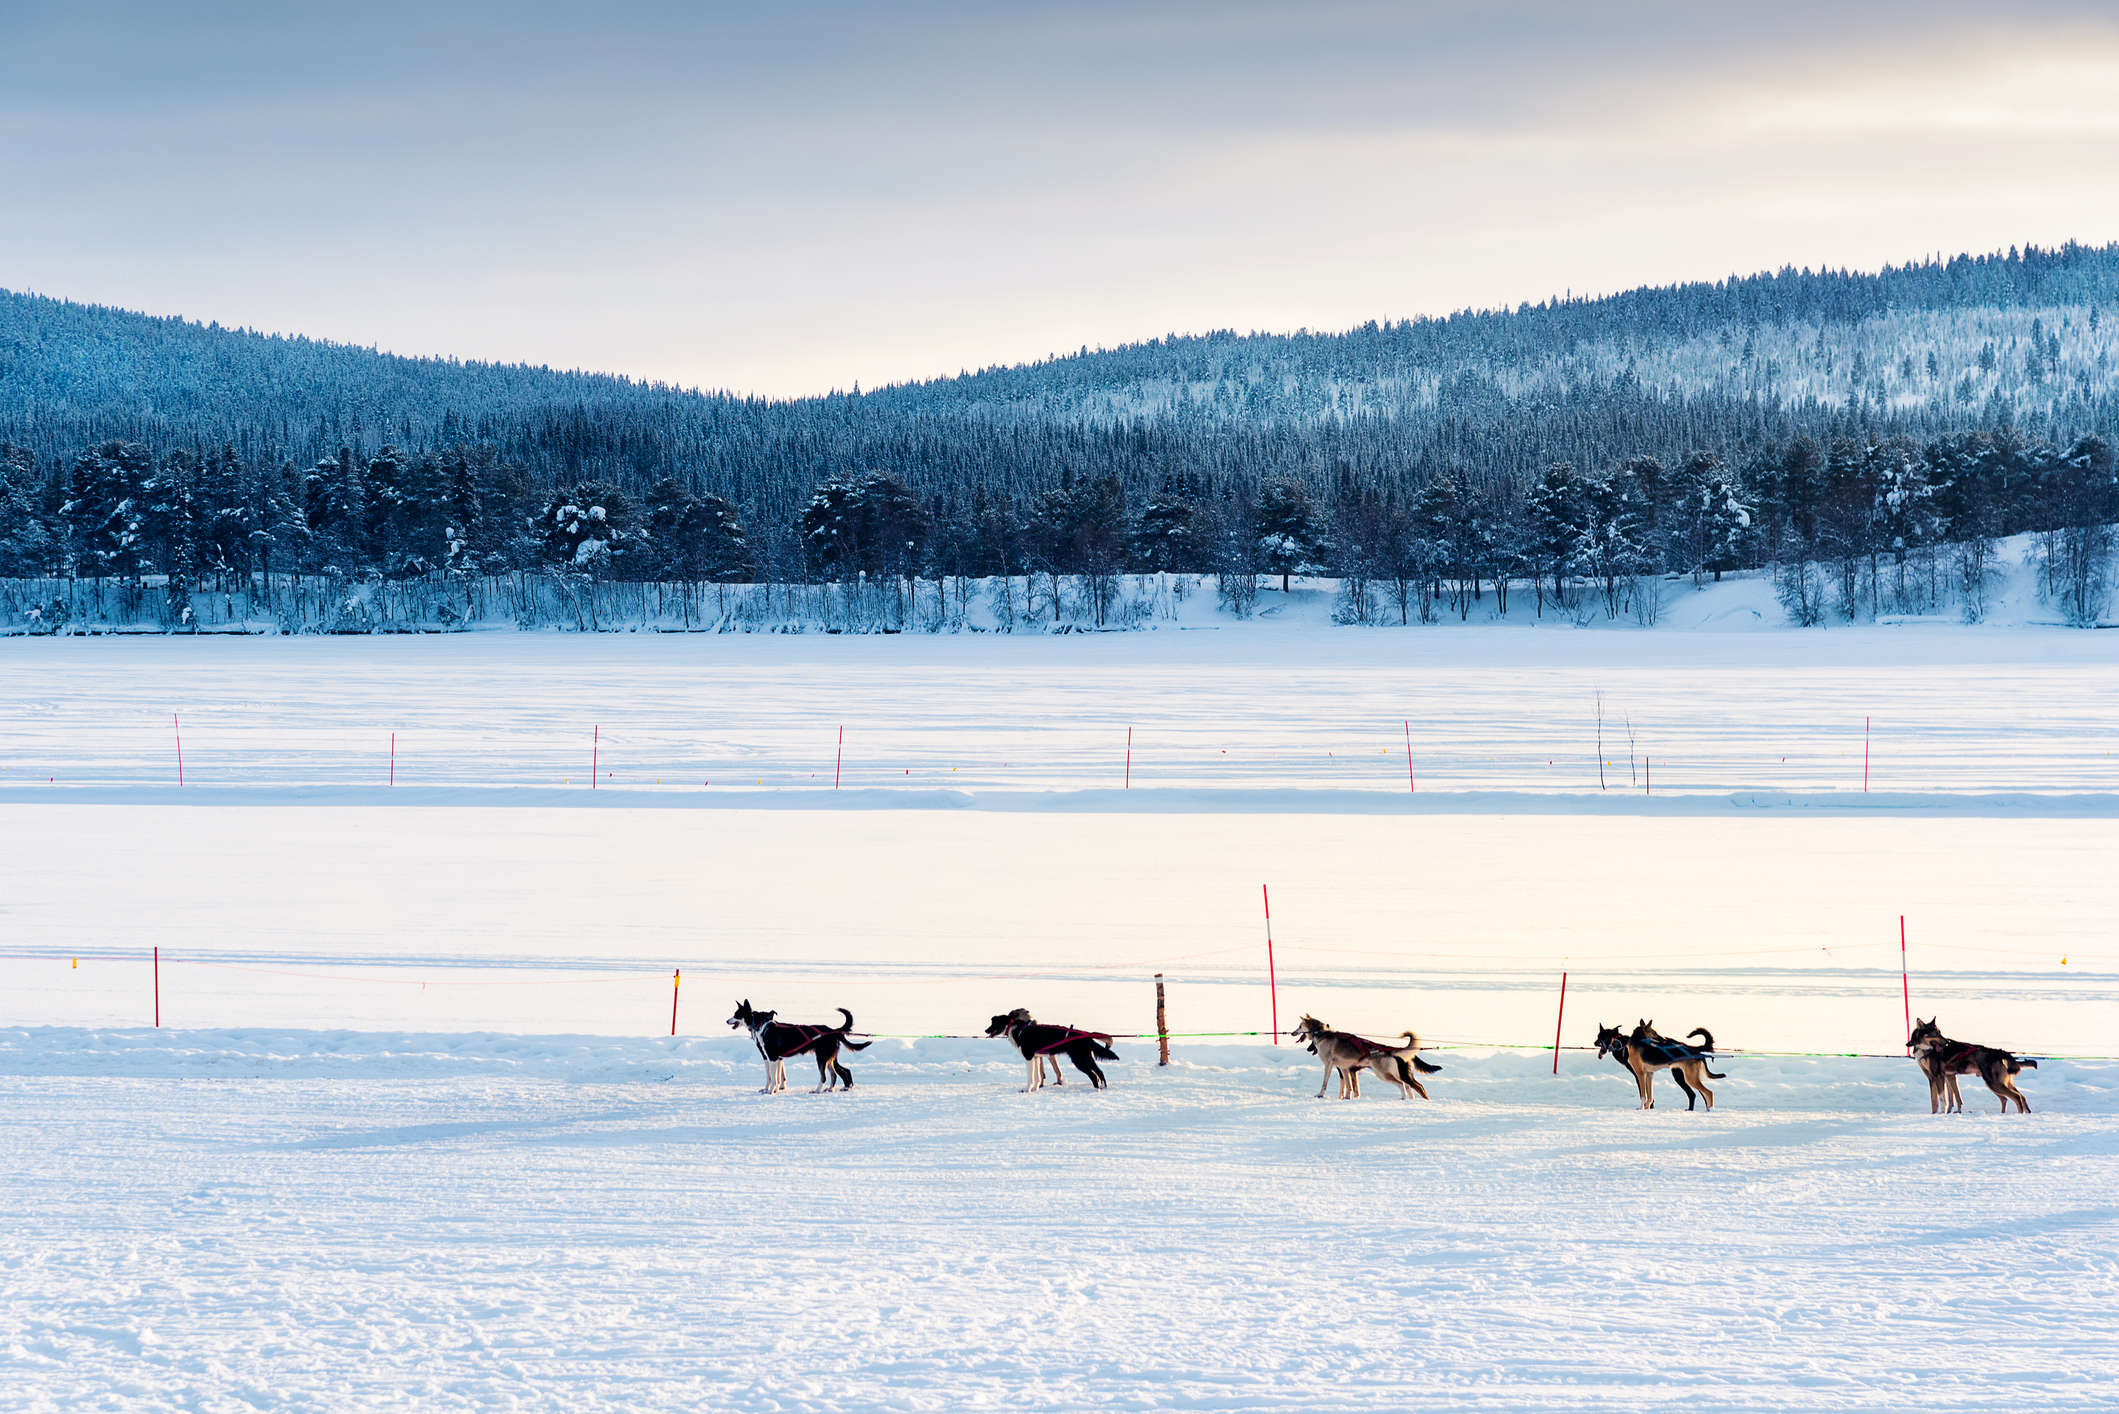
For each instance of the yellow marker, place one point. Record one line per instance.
(77, 962)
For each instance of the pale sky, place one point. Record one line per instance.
(786, 198)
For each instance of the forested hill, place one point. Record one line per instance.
(2023, 340)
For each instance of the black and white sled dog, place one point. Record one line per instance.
(1349, 1054)
(1040, 1042)
(777, 1040)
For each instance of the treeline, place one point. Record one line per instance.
(1850, 527)
(2024, 339)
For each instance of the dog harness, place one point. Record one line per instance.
(810, 1035)
(1072, 1035)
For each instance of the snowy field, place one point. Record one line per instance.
(414, 1133)
(225, 1222)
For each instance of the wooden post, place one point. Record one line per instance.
(1559, 1023)
(675, 974)
(1162, 1021)
(158, 985)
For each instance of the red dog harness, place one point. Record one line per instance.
(811, 1034)
(1073, 1035)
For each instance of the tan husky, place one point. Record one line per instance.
(1648, 1050)
(1350, 1055)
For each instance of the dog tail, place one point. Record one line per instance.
(1100, 1050)
(2017, 1063)
(846, 1026)
(1706, 1038)
(1412, 1043)
(1714, 1074)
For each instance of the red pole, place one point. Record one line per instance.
(393, 758)
(1905, 988)
(1558, 1023)
(839, 760)
(674, 975)
(1410, 787)
(1129, 758)
(1865, 778)
(158, 984)
(179, 730)
(595, 752)
(1272, 979)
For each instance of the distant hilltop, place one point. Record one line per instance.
(2020, 339)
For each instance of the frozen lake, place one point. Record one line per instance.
(1777, 931)
(1948, 711)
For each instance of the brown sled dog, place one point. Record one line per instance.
(1648, 1050)
(1942, 1060)
(1350, 1055)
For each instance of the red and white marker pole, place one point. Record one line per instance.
(1905, 988)
(178, 728)
(675, 975)
(839, 760)
(1272, 978)
(1559, 1023)
(1410, 787)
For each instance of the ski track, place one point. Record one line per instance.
(650, 1234)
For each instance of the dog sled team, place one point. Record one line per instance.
(1396, 1060)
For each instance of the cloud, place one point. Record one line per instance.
(797, 196)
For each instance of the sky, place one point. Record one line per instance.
(790, 198)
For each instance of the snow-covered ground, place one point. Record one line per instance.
(413, 1131)
(286, 1220)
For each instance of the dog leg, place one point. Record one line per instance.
(1325, 1083)
(1683, 1084)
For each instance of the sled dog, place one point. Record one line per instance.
(1350, 1055)
(1648, 1050)
(1942, 1060)
(777, 1040)
(1040, 1042)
